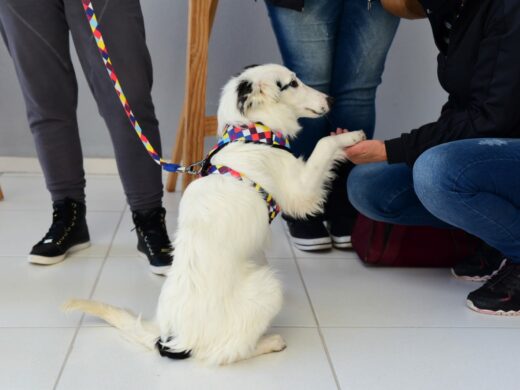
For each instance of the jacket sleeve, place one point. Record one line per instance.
(492, 109)
(296, 5)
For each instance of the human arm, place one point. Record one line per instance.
(407, 9)
(490, 107)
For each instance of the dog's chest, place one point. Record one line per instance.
(260, 137)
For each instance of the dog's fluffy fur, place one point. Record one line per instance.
(220, 296)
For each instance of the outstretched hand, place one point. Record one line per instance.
(365, 151)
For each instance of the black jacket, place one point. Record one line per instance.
(480, 70)
(292, 4)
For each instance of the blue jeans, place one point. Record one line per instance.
(338, 47)
(471, 184)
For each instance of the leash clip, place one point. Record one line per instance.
(193, 169)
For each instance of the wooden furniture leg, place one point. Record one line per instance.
(1, 194)
(193, 124)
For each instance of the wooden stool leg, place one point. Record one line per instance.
(196, 66)
(1, 194)
(190, 142)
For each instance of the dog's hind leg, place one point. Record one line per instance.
(269, 344)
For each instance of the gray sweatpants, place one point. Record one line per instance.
(36, 33)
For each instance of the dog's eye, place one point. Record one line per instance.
(279, 84)
(294, 84)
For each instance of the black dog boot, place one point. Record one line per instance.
(68, 233)
(153, 241)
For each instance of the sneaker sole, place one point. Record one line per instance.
(479, 278)
(343, 242)
(157, 270)
(161, 271)
(312, 244)
(510, 313)
(44, 260)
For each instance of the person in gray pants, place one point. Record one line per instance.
(37, 35)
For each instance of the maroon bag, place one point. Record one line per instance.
(384, 244)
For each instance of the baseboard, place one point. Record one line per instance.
(92, 166)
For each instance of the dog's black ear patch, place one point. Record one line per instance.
(246, 68)
(244, 88)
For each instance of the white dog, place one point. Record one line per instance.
(220, 295)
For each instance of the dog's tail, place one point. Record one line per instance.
(130, 325)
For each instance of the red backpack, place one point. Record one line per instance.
(384, 244)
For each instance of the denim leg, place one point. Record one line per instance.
(338, 47)
(307, 42)
(475, 185)
(386, 193)
(363, 39)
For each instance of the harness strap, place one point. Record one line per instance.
(256, 133)
(94, 26)
(273, 209)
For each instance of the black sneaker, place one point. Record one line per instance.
(68, 233)
(500, 295)
(340, 229)
(152, 239)
(481, 266)
(309, 234)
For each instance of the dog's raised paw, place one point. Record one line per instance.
(350, 138)
(358, 136)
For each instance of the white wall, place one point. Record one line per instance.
(242, 35)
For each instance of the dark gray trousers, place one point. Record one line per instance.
(36, 33)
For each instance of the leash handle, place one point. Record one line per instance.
(94, 26)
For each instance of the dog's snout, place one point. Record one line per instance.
(330, 101)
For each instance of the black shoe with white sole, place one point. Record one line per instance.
(68, 233)
(500, 295)
(481, 266)
(340, 229)
(309, 234)
(153, 241)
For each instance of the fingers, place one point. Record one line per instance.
(339, 131)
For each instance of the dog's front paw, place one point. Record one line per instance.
(350, 138)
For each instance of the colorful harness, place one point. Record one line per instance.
(252, 133)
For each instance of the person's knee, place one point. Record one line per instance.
(433, 176)
(364, 190)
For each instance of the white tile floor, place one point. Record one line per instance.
(347, 326)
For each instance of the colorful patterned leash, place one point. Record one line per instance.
(166, 165)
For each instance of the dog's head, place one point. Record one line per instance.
(270, 94)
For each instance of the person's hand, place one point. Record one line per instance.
(365, 151)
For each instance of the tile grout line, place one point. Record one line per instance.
(322, 338)
(94, 286)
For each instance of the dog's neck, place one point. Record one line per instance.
(279, 119)
(253, 132)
